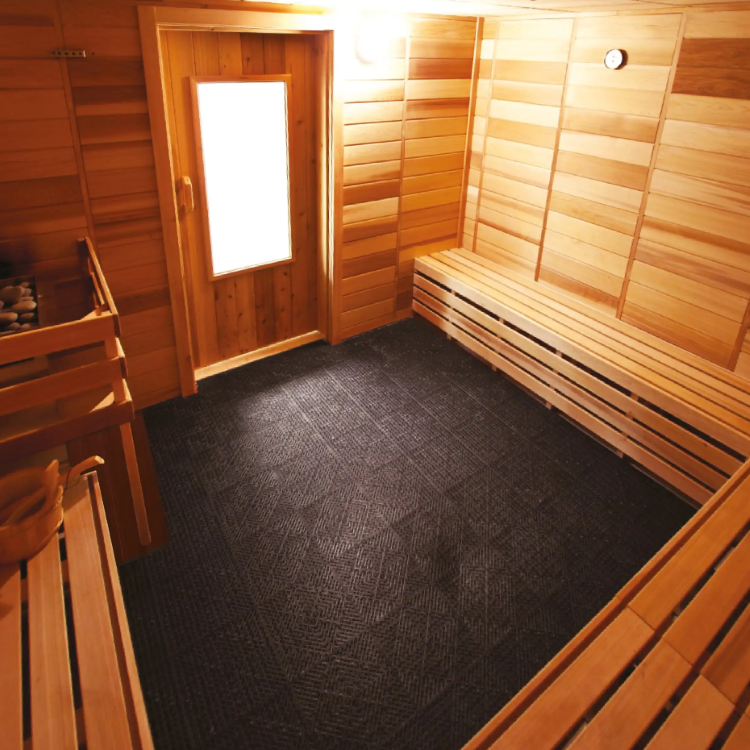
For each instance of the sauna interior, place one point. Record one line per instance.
(375, 375)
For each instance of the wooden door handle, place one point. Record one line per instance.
(187, 201)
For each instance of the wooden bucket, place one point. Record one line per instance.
(31, 508)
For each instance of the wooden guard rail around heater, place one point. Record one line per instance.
(666, 664)
(681, 418)
(95, 702)
(60, 382)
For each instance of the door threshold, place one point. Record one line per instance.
(266, 351)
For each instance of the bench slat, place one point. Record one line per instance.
(728, 669)
(658, 390)
(700, 623)
(464, 315)
(53, 724)
(630, 711)
(734, 397)
(669, 362)
(684, 361)
(651, 366)
(656, 602)
(564, 703)
(740, 737)
(555, 397)
(11, 705)
(647, 371)
(137, 715)
(105, 714)
(692, 442)
(696, 720)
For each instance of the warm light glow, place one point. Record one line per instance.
(375, 34)
(246, 164)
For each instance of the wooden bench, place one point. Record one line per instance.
(685, 420)
(666, 665)
(67, 683)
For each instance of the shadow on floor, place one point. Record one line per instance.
(374, 545)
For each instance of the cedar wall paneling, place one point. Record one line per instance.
(522, 100)
(638, 200)
(405, 129)
(109, 97)
(690, 281)
(41, 203)
(405, 125)
(609, 126)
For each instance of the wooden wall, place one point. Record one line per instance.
(76, 159)
(405, 125)
(630, 189)
(76, 156)
(690, 279)
(42, 208)
(109, 96)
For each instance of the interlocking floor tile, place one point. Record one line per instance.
(372, 547)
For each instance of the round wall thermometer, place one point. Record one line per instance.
(614, 59)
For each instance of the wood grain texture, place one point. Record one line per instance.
(11, 709)
(404, 168)
(675, 208)
(107, 97)
(233, 316)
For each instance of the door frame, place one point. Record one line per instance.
(152, 20)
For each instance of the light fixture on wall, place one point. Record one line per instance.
(375, 34)
(616, 59)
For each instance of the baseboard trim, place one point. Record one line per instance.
(256, 354)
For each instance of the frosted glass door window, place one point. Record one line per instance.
(243, 130)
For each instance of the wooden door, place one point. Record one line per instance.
(245, 312)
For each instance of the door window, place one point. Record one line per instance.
(244, 144)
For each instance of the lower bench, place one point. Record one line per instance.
(68, 677)
(666, 665)
(683, 419)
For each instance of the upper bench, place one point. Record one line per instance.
(682, 418)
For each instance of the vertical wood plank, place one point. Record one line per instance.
(325, 124)
(476, 68)
(276, 49)
(11, 705)
(264, 307)
(272, 62)
(137, 715)
(53, 724)
(210, 55)
(228, 312)
(486, 115)
(182, 66)
(404, 105)
(105, 713)
(295, 322)
(264, 280)
(251, 50)
(555, 154)
(177, 167)
(652, 165)
(339, 53)
(230, 53)
(314, 84)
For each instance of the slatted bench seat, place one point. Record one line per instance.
(683, 419)
(666, 665)
(68, 677)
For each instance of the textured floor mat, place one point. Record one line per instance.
(373, 545)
